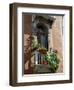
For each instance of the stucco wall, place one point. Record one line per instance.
(57, 39)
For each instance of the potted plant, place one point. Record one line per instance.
(52, 60)
(42, 50)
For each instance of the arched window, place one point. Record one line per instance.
(42, 35)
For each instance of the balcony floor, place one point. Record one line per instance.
(41, 68)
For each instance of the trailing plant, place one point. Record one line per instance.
(53, 61)
(35, 44)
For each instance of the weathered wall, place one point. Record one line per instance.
(57, 37)
(27, 43)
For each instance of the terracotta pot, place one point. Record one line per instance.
(45, 62)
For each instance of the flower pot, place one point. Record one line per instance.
(45, 62)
